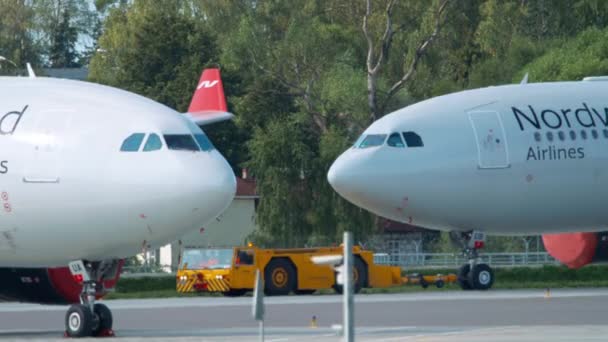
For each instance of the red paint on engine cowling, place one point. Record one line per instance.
(69, 289)
(574, 250)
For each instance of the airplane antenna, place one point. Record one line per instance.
(525, 79)
(30, 71)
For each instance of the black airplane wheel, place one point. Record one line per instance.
(104, 318)
(481, 277)
(79, 321)
(463, 277)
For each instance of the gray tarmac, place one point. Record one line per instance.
(497, 315)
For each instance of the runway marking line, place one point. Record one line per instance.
(448, 333)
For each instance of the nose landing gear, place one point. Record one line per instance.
(473, 275)
(89, 318)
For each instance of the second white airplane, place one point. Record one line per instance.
(514, 159)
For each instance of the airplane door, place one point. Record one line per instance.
(47, 141)
(491, 140)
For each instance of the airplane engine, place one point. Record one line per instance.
(576, 250)
(48, 285)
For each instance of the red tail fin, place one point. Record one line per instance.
(209, 103)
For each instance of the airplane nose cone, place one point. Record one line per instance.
(209, 186)
(348, 178)
(338, 177)
(222, 187)
(359, 179)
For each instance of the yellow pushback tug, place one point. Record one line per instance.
(231, 271)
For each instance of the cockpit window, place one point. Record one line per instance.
(181, 142)
(203, 142)
(394, 140)
(360, 139)
(153, 143)
(132, 143)
(373, 140)
(200, 136)
(412, 139)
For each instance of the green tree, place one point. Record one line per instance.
(61, 27)
(153, 49)
(17, 43)
(62, 52)
(572, 59)
(417, 26)
(303, 70)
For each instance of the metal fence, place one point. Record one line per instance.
(159, 270)
(454, 260)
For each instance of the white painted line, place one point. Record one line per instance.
(401, 338)
(453, 333)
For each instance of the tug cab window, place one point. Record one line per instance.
(412, 139)
(373, 140)
(132, 143)
(244, 257)
(181, 142)
(394, 140)
(200, 259)
(153, 143)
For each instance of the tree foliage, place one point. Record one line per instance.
(17, 43)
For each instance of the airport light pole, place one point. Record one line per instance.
(349, 303)
(258, 310)
(344, 277)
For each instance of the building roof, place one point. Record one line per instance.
(245, 188)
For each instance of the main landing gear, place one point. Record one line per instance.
(89, 318)
(473, 275)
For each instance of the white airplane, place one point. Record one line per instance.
(505, 160)
(90, 175)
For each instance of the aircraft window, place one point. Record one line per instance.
(359, 140)
(201, 139)
(153, 144)
(594, 134)
(394, 140)
(537, 136)
(584, 135)
(181, 142)
(561, 135)
(373, 140)
(203, 142)
(572, 135)
(412, 139)
(132, 143)
(550, 136)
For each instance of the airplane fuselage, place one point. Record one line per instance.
(69, 190)
(514, 159)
